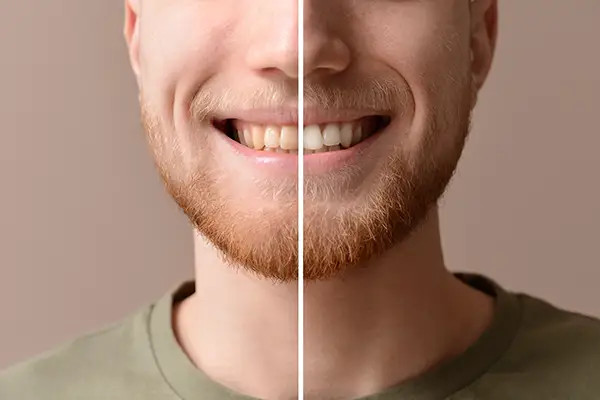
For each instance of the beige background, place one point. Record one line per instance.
(87, 234)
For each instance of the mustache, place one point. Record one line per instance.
(367, 94)
(372, 94)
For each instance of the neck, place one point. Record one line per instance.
(409, 309)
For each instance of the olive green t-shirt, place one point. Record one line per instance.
(531, 351)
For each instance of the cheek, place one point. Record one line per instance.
(181, 47)
(424, 43)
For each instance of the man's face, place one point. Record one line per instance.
(388, 93)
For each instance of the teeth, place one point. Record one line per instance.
(313, 139)
(316, 139)
(258, 137)
(331, 135)
(346, 135)
(247, 135)
(289, 138)
(272, 137)
(356, 135)
(242, 139)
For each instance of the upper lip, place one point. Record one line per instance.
(289, 116)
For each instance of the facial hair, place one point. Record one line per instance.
(259, 237)
(402, 191)
(264, 241)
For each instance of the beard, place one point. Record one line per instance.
(402, 190)
(257, 233)
(351, 217)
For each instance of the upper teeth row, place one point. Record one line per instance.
(315, 137)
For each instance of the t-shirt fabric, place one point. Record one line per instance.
(531, 351)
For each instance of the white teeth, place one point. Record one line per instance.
(331, 135)
(289, 138)
(346, 135)
(284, 139)
(313, 140)
(272, 137)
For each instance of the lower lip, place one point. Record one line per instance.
(317, 163)
(320, 163)
(264, 159)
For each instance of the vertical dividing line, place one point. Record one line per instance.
(300, 199)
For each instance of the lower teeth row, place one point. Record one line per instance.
(323, 149)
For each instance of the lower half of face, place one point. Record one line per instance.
(381, 142)
(362, 196)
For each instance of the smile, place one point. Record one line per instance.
(317, 138)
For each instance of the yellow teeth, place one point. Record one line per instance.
(284, 139)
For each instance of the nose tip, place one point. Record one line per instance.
(275, 53)
(279, 58)
(325, 51)
(324, 54)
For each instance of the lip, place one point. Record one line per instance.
(321, 163)
(314, 164)
(289, 116)
(271, 162)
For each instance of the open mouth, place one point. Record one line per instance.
(320, 138)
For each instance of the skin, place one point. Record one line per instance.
(422, 62)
